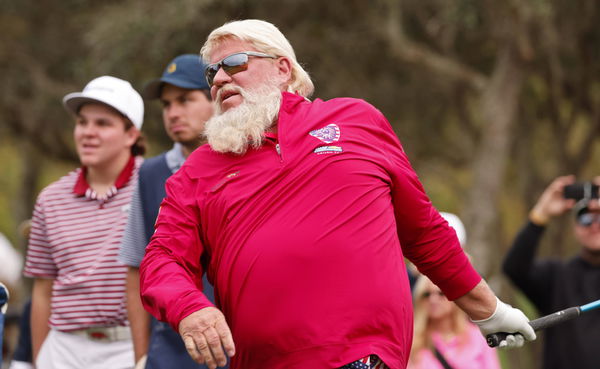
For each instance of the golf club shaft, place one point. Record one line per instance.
(544, 322)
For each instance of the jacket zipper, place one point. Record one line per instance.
(278, 149)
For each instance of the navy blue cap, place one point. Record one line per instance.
(185, 71)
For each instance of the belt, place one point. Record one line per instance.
(109, 334)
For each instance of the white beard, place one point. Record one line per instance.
(244, 125)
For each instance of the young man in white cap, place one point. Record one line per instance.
(186, 103)
(78, 312)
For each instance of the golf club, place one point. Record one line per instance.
(547, 321)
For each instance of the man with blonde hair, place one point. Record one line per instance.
(300, 213)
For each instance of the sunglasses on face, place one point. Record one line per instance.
(232, 64)
(428, 294)
(587, 219)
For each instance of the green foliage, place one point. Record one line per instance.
(8, 184)
(428, 65)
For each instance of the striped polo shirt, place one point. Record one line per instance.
(75, 238)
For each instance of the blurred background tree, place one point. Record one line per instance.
(491, 99)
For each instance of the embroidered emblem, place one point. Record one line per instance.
(327, 134)
(328, 150)
(172, 68)
(224, 180)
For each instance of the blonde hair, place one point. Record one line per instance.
(266, 38)
(422, 329)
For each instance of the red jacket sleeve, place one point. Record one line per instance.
(171, 271)
(426, 238)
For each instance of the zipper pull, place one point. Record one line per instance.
(278, 149)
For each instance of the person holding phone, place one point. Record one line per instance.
(552, 284)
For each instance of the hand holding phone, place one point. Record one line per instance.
(581, 190)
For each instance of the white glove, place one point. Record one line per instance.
(509, 320)
(4, 306)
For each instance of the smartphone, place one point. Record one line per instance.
(580, 190)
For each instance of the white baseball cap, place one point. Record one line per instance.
(112, 91)
(455, 222)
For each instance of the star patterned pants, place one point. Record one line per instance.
(369, 362)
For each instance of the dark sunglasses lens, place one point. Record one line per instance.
(210, 73)
(586, 219)
(231, 65)
(428, 294)
(235, 63)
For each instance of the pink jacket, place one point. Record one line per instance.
(473, 353)
(304, 240)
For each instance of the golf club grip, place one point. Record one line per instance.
(544, 322)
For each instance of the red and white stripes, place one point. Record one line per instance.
(75, 240)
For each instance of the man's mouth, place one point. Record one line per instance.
(89, 146)
(176, 127)
(226, 93)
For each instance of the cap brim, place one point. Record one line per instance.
(73, 101)
(581, 207)
(153, 89)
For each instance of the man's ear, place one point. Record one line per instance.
(284, 67)
(132, 135)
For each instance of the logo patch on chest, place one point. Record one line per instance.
(327, 134)
(328, 150)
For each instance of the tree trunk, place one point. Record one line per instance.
(498, 107)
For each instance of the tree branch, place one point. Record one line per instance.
(411, 52)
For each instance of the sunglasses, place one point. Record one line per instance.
(587, 219)
(428, 294)
(232, 64)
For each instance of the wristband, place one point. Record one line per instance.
(538, 219)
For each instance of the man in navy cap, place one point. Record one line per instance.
(186, 105)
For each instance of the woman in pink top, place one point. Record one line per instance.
(440, 324)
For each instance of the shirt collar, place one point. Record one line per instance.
(290, 101)
(271, 135)
(82, 187)
(175, 158)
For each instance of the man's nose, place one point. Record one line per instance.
(173, 112)
(221, 78)
(89, 129)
